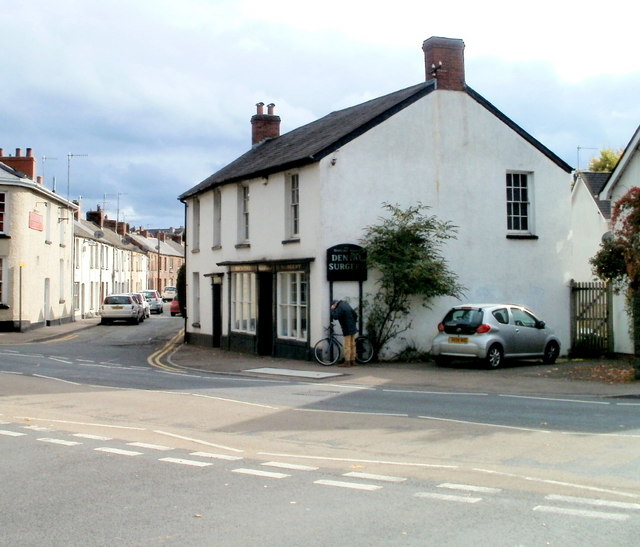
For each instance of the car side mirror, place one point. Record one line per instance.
(541, 324)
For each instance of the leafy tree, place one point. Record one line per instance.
(405, 248)
(618, 259)
(607, 161)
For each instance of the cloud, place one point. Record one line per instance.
(159, 94)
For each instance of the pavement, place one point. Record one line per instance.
(523, 378)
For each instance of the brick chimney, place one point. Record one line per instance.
(97, 217)
(25, 164)
(444, 61)
(264, 126)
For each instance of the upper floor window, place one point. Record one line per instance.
(292, 188)
(243, 213)
(217, 218)
(3, 212)
(518, 203)
(195, 221)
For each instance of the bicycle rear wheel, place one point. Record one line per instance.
(327, 351)
(364, 349)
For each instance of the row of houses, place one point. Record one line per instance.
(260, 230)
(56, 266)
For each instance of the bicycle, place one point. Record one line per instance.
(328, 351)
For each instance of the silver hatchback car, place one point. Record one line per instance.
(493, 333)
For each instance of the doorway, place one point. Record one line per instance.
(265, 313)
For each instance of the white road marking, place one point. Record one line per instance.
(215, 456)
(37, 428)
(11, 433)
(384, 478)
(199, 441)
(466, 422)
(150, 446)
(554, 399)
(93, 437)
(60, 360)
(447, 497)
(580, 513)
(57, 379)
(118, 451)
(259, 473)
(59, 441)
(592, 501)
(350, 485)
(181, 461)
(234, 401)
(292, 466)
(356, 460)
(350, 412)
(81, 423)
(470, 488)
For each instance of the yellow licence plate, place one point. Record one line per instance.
(458, 340)
(117, 307)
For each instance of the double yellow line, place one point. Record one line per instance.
(155, 359)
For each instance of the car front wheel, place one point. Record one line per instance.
(551, 353)
(495, 357)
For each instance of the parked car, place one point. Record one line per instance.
(492, 333)
(169, 293)
(121, 307)
(140, 299)
(154, 299)
(175, 307)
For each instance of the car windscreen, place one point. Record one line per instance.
(464, 316)
(117, 300)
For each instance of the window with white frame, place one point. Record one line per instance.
(195, 221)
(243, 213)
(217, 218)
(518, 203)
(2, 280)
(292, 305)
(243, 302)
(292, 211)
(194, 305)
(3, 212)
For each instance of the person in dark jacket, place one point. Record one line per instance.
(348, 319)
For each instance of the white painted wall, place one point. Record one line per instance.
(445, 151)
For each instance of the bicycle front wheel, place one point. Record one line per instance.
(327, 351)
(364, 349)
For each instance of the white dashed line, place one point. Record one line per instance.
(384, 478)
(351, 485)
(181, 461)
(596, 502)
(150, 446)
(92, 437)
(292, 466)
(11, 433)
(580, 513)
(447, 497)
(216, 456)
(470, 488)
(259, 473)
(37, 428)
(59, 441)
(118, 451)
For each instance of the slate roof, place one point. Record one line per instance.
(312, 142)
(595, 182)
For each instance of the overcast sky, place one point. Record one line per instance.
(159, 94)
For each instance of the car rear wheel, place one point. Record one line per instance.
(551, 353)
(495, 357)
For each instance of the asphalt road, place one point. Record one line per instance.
(99, 446)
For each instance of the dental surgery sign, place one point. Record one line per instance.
(346, 262)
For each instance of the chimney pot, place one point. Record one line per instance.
(260, 109)
(18, 152)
